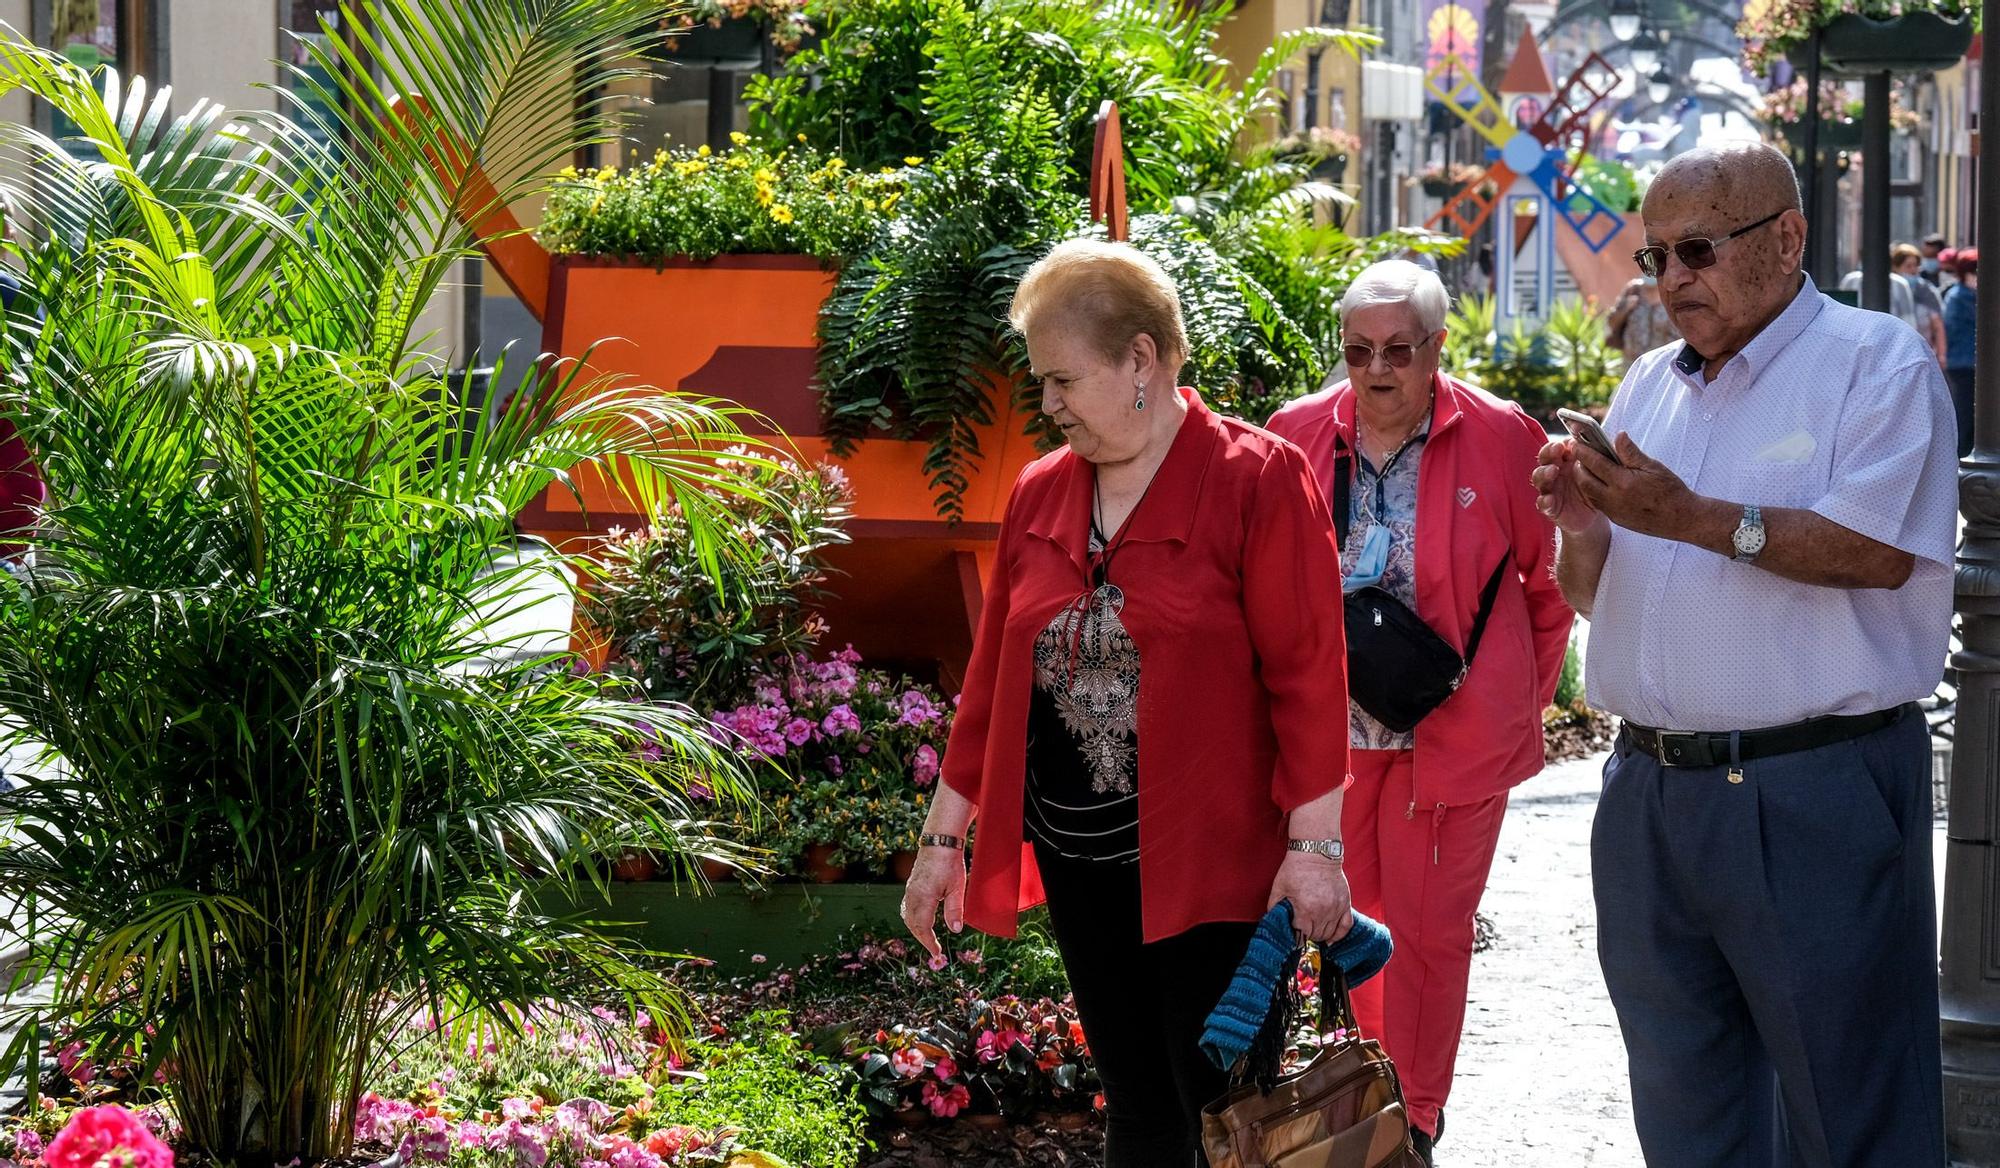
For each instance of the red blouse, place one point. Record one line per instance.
(1230, 572)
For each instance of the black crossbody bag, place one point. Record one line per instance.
(1398, 668)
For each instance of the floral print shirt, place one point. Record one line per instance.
(1397, 511)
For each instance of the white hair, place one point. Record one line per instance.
(1400, 282)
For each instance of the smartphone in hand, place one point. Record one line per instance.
(1587, 430)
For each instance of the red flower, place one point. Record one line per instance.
(947, 1103)
(107, 1137)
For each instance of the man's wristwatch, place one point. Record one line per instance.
(1332, 849)
(1749, 535)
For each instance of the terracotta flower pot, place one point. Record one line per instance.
(819, 867)
(987, 1122)
(634, 867)
(902, 864)
(717, 872)
(1070, 1121)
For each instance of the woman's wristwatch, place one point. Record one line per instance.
(932, 839)
(1332, 849)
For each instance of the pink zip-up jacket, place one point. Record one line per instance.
(1475, 503)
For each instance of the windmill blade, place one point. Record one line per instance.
(1594, 222)
(1568, 114)
(1468, 210)
(1467, 98)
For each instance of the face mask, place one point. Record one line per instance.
(1928, 267)
(1372, 562)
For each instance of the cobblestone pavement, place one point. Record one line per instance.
(1541, 1073)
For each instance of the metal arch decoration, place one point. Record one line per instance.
(1540, 153)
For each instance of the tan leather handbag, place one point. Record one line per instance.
(1343, 1110)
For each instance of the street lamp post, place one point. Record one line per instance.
(1875, 192)
(1970, 969)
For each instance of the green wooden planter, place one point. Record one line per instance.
(786, 923)
(1916, 42)
(1832, 135)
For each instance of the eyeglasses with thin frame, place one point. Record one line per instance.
(1694, 254)
(1398, 355)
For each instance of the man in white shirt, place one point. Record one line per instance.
(1767, 569)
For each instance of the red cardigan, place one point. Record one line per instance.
(1231, 577)
(1475, 504)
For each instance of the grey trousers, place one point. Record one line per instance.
(1770, 946)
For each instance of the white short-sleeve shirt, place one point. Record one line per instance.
(1830, 409)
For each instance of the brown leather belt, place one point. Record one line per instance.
(1697, 748)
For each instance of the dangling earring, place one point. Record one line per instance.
(1141, 403)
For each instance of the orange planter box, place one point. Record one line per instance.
(745, 328)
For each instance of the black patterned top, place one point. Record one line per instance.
(1082, 795)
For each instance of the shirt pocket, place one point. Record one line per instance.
(1784, 484)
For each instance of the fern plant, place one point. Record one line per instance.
(912, 344)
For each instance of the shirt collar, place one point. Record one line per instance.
(1445, 409)
(1167, 511)
(1766, 345)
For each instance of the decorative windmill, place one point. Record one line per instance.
(1534, 138)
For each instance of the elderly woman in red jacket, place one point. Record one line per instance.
(1143, 732)
(1435, 473)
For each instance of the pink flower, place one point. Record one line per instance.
(947, 1103)
(28, 1143)
(908, 1063)
(945, 1069)
(937, 962)
(916, 709)
(924, 766)
(971, 956)
(798, 731)
(107, 1137)
(840, 720)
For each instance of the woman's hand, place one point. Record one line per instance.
(937, 879)
(1322, 907)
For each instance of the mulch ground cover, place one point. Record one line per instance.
(1070, 1141)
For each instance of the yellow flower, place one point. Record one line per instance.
(737, 162)
(836, 165)
(889, 200)
(739, 137)
(704, 151)
(888, 170)
(781, 213)
(868, 204)
(659, 157)
(606, 174)
(765, 195)
(802, 137)
(912, 160)
(566, 172)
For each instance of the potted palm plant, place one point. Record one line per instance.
(292, 792)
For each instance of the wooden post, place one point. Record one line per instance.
(1107, 175)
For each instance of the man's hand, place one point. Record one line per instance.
(1556, 493)
(1642, 495)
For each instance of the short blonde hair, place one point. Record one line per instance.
(1112, 291)
(1903, 251)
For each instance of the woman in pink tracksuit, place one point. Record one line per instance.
(1443, 468)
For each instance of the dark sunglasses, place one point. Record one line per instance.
(1694, 254)
(1398, 355)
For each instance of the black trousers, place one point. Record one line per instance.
(1960, 381)
(1142, 1007)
